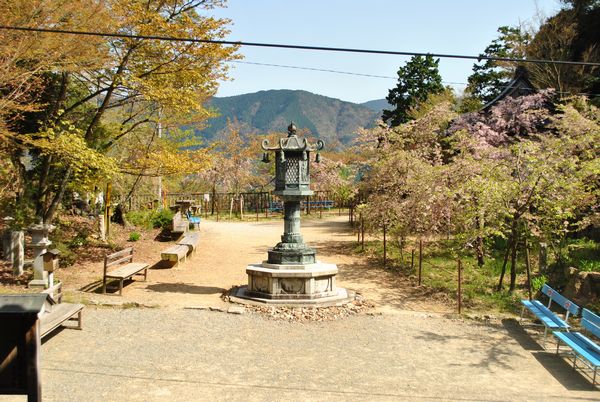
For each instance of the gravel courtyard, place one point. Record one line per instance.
(406, 348)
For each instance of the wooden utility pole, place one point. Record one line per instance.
(420, 259)
(384, 245)
(107, 206)
(362, 233)
(459, 293)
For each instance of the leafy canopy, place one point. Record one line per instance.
(418, 79)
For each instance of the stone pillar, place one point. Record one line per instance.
(17, 240)
(39, 244)
(291, 222)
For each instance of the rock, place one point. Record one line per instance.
(196, 308)
(213, 308)
(236, 310)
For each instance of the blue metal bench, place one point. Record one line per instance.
(275, 206)
(548, 318)
(194, 220)
(581, 345)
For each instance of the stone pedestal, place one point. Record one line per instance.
(302, 281)
(39, 244)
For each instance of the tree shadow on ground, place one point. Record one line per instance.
(328, 226)
(556, 365)
(496, 353)
(184, 288)
(394, 288)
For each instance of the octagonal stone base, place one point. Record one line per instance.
(291, 281)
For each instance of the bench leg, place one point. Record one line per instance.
(545, 333)
(145, 274)
(79, 317)
(121, 286)
(104, 285)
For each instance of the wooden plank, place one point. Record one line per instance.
(126, 271)
(59, 314)
(128, 250)
(178, 251)
(120, 261)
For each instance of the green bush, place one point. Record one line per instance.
(162, 218)
(67, 256)
(134, 236)
(537, 282)
(149, 219)
(140, 218)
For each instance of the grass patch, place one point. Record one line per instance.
(440, 273)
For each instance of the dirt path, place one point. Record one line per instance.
(177, 354)
(225, 250)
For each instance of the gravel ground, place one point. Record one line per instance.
(192, 355)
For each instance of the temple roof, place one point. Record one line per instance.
(518, 86)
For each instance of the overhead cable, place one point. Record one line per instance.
(298, 47)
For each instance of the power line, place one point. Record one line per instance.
(298, 47)
(377, 76)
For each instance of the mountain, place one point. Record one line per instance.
(261, 112)
(377, 105)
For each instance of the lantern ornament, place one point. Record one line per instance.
(292, 167)
(292, 183)
(291, 274)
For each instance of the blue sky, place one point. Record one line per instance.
(436, 26)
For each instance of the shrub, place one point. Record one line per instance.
(162, 218)
(149, 219)
(134, 236)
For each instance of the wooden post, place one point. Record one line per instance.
(267, 205)
(241, 206)
(321, 206)
(412, 260)
(217, 205)
(420, 259)
(107, 206)
(528, 268)
(384, 245)
(459, 293)
(362, 233)
(257, 205)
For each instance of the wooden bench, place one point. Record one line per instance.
(581, 345)
(127, 269)
(179, 225)
(548, 319)
(175, 254)
(191, 240)
(58, 312)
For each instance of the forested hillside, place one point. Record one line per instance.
(330, 119)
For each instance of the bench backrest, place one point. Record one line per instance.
(120, 257)
(591, 322)
(560, 300)
(176, 218)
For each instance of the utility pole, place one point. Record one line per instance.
(159, 178)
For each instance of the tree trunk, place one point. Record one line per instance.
(508, 247)
(513, 265)
(480, 252)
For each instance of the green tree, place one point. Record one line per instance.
(489, 76)
(99, 104)
(418, 79)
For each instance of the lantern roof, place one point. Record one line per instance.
(293, 143)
